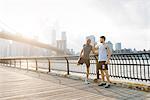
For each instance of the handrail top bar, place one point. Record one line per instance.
(131, 53)
(56, 57)
(41, 57)
(35, 57)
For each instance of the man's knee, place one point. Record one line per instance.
(88, 67)
(106, 72)
(102, 73)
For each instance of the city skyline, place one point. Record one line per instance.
(80, 19)
(13, 48)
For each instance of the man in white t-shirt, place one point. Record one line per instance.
(104, 55)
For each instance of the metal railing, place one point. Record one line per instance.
(135, 66)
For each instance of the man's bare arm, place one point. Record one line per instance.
(108, 54)
(94, 49)
(81, 53)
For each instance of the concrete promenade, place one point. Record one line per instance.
(18, 84)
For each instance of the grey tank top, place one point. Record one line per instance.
(86, 51)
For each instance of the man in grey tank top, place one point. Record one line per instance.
(104, 55)
(85, 55)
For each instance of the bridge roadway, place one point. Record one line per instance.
(33, 42)
(16, 84)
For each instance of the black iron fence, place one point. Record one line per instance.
(131, 66)
(135, 66)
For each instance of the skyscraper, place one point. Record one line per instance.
(53, 37)
(118, 46)
(64, 40)
(63, 36)
(110, 45)
(4, 50)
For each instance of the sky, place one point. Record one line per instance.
(125, 21)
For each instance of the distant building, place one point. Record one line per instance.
(63, 36)
(4, 49)
(13, 49)
(78, 53)
(64, 40)
(110, 45)
(53, 37)
(118, 46)
(61, 44)
(92, 38)
(71, 51)
(134, 50)
(124, 51)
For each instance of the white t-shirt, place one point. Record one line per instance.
(102, 52)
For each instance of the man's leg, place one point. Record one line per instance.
(107, 75)
(102, 75)
(97, 73)
(103, 78)
(108, 80)
(87, 71)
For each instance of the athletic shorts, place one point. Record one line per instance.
(84, 61)
(102, 65)
(87, 62)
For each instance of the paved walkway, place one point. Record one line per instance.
(18, 84)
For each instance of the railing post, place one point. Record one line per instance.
(132, 59)
(7, 63)
(67, 65)
(126, 63)
(10, 63)
(4, 63)
(148, 65)
(144, 72)
(140, 63)
(136, 61)
(49, 66)
(20, 63)
(14, 63)
(123, 66)
(27, 63)
(36, 64)
(113, 64)
(0, 63)
(97, 64)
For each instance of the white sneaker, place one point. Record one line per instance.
(102, 84)
(107, 85)
(86, 81)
